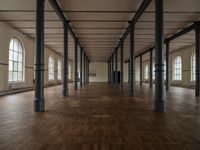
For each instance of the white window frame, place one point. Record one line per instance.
(193, 67)
(16, 69)
(146, 72)
(51, 68)
(177, 69)
(59, 76)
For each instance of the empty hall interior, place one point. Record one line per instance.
(99, 75)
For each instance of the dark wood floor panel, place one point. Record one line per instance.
(98, 117)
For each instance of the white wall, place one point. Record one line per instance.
(6, 34)
(185, 54)
(101, 70)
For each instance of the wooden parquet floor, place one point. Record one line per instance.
(98, 117)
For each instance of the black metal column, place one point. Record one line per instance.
(84, 68)
(108, 71)
(129, 72)
(197, 35)
(88, 72)
(167, 82)
(81, 66)
(75, 65)
(141, 70)
(65, 57)
(112, 68)
(132, 60)
(151, 69)
(116, 67)
(39, 101)
(122, 67)
(159, 66)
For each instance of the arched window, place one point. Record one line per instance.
(193, 67)
(51, 68)
(177, 68)
(69, 72)
(59, 70)
(16, 61)
(146, 72)
(165, 67)
(153, 71)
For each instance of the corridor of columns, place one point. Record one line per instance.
(99, 117)
(102, 75)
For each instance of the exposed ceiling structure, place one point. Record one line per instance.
(100, 24)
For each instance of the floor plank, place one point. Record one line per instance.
(99, 117)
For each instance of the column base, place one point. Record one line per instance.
(159, 106)
(39, 105)
(65, 93)
(132, 93)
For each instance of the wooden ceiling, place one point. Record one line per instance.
(100, 24)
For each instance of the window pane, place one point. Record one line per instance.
(15, 66)
(19, 76)
(11, 45)
(20, 58)
(15, 56)
(19, 66)
(14, 76)
(10, 76)
(10, 55)
(16, 45)
(10, 65)
(20, 48)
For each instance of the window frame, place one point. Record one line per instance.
(177, 68)
(16, 60)
(51, 67)
(193, 67)
(146, 72)
(59, 73)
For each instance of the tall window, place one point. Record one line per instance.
(177, 68)
(69, 72)
(51, 68)
(146, 72)
(193, 67)
(59, 70)
(154, 71)
(16, 61)
(165, 67)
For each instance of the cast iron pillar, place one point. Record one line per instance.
(39, 101)
(109, 71)
(128, 71)
(88, 71)
(112, 68)
(159, 66)
(167, 82)
(76, 65)
(151, 69)
(141, 70)
(132, 60)
(122, 67)
(65, 60)
(84, 68)
(81, 66)
(116, 67)
(197, 35)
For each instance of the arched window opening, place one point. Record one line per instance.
(51, 68)
(177, 69)
(16, 61)
(193, 67)
(59, 70)
(146, 72)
